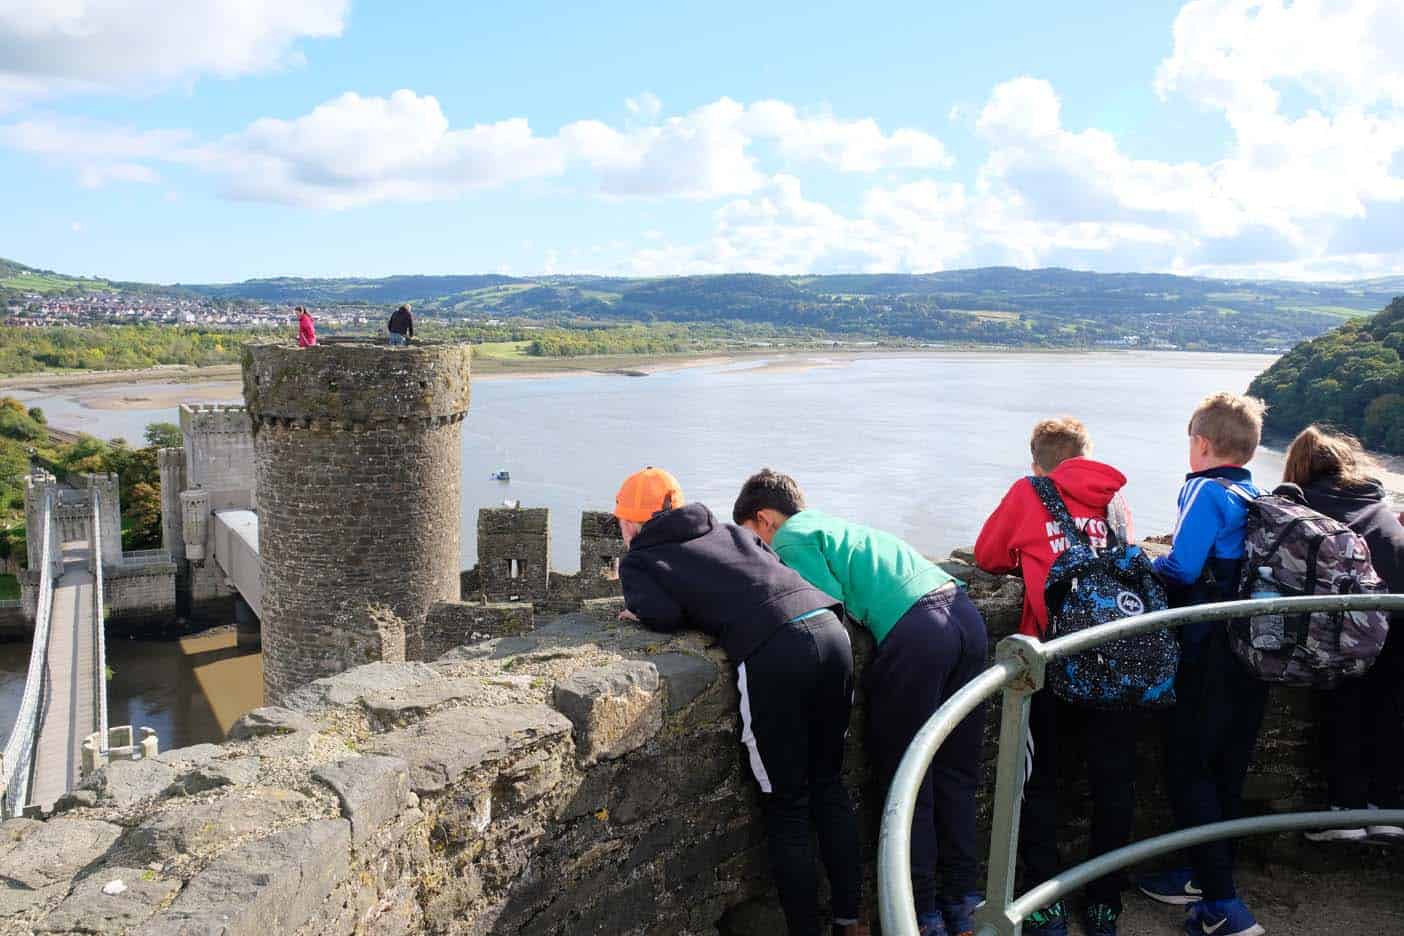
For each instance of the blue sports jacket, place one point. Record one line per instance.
(1208, 536)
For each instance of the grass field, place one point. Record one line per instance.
(48, 283)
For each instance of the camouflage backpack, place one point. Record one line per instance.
(1290, 549)
(1085, 588)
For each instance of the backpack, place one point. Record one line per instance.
(1290, 549)
(1086, 588)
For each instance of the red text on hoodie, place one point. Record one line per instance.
(1021, 535)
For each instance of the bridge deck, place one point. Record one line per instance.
(68, 711)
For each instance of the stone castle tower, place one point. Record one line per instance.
(358, 463)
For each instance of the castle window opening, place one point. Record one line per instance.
(609, 567)
(514, 569)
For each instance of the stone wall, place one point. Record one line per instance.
(581, 777)
(137, 597)
(357, 451)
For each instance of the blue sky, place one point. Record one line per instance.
(239, 138)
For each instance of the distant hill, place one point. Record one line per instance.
(991, 305)
(1351, 378)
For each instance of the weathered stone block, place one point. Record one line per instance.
(123, 783)
(271, 885)
(38, 856)
(451, 624)
(201, 829)
(349, 687)
(269, 720)
(685, 675)
(213, 774)
(615, 709)
(446, 745)
(114, 901)
(372, 789)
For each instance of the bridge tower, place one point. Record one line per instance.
(358, 463)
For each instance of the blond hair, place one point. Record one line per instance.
(1054, 441)
(1232, 424)
(1318, 454)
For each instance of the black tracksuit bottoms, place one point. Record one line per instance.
(1363, 731)
(933, 650)
(1110, 739)
(1210, 734)
(796, 694)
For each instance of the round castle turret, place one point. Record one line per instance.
(358, 465)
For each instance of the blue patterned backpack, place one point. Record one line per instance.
(1086, 588)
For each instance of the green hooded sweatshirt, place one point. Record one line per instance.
(877, 576)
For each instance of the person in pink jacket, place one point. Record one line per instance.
(306, 330)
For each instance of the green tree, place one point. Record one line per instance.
(164, 435)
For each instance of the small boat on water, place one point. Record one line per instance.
(501, 474)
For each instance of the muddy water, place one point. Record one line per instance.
(189, 690)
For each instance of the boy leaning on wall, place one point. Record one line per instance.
(684, 569)
(1021, 535)
(1211, 731)
(931, 641)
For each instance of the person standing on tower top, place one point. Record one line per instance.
(401, 325)
(306, 329)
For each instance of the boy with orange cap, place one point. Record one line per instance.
(683, 568)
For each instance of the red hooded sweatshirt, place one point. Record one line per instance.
(306, 331)
(1021, 535)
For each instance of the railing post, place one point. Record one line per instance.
(1010, 769)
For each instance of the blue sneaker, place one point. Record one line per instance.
(931, 924)
(1170, 887)
(1050, 921)
(1221, 918)
(959, 913)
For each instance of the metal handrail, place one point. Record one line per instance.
(16, 762)
(145, 556)
(99, 632)
(1018, 671)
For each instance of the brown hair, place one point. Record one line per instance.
(1318, 454)
(1233, 424)
(1054, 441)
(767, 489)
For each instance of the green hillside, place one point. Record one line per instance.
(1351, 378)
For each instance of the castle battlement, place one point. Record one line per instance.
(214, 418)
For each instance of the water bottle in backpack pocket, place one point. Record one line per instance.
(1086, 588)
(1290, 549)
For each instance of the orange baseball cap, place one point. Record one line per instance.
(645, 493)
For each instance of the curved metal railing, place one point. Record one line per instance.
(17, 762)
(99, 632)
(1018, 672)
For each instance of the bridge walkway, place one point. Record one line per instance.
(68, 709)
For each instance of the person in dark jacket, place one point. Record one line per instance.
(1363, 719)
(401, 325)
(684, 569)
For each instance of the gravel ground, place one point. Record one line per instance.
(1293, 903)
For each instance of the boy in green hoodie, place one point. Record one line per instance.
(930, 641)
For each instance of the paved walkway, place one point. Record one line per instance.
(68, 711)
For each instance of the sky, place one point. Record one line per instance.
(218, 140)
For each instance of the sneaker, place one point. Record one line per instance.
(931, 924)
(1336, 835)
(1100, 919)
(1050, 921)
(1385, 834)
(959, 913)
(1170, 887)
(1221, 918)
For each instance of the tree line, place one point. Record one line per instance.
(1351, 378)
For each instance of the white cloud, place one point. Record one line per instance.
(355, 150)
(646, 105)
(56, 46)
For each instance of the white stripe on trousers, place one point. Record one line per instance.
(748, 737)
